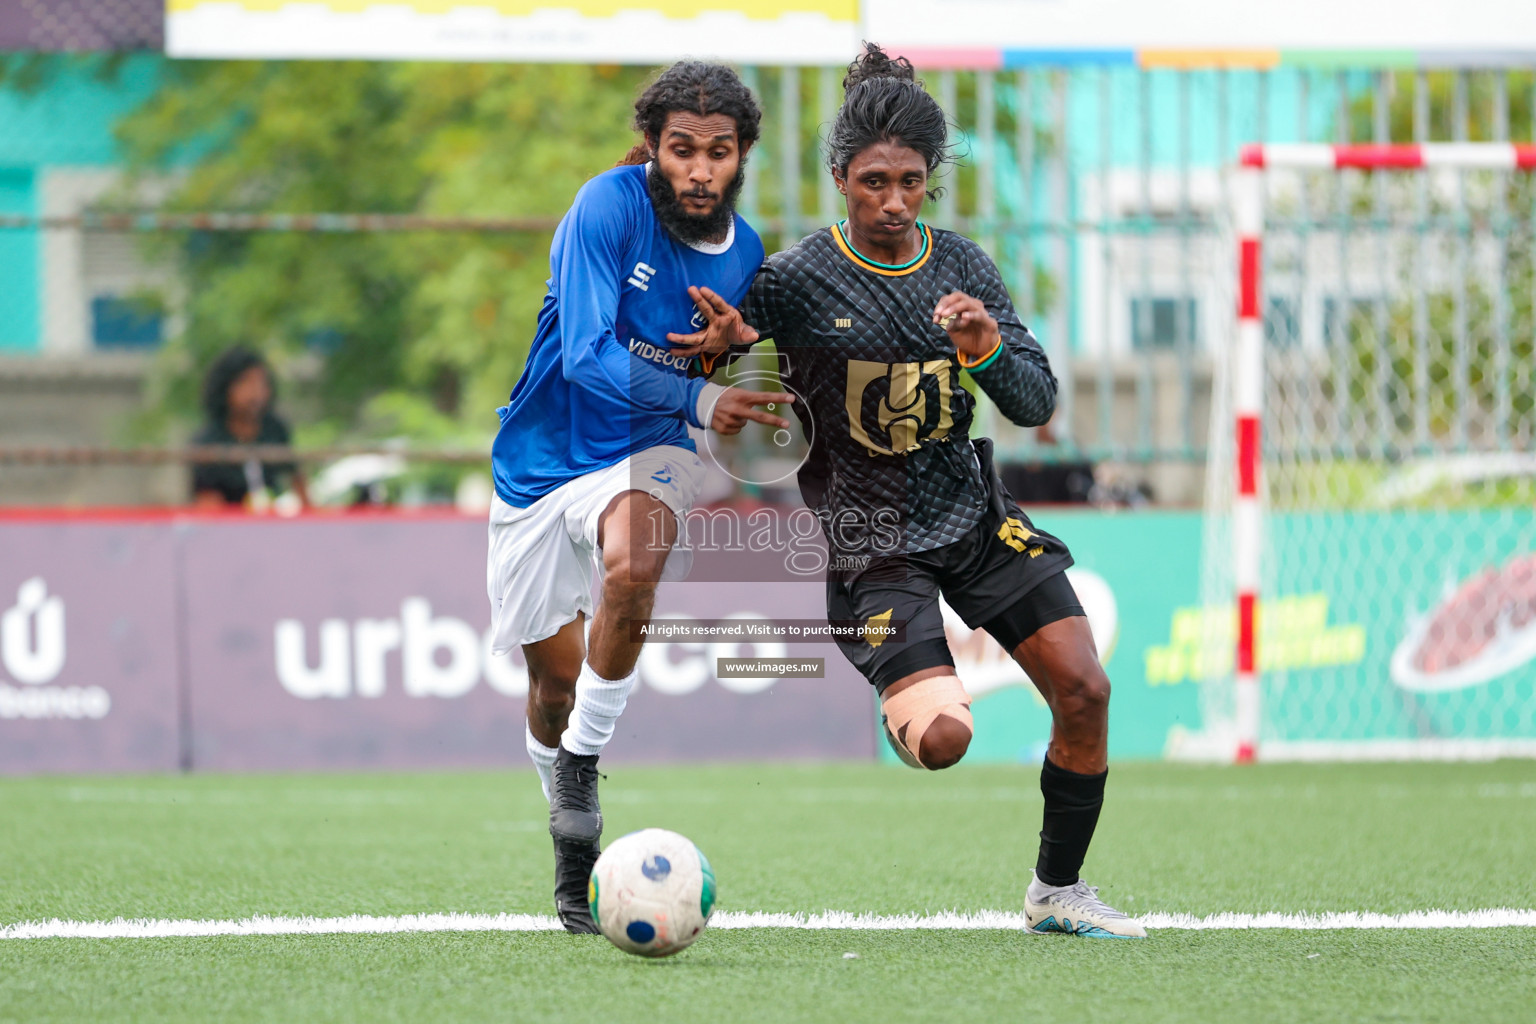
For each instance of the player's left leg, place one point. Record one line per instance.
(629, 519)
(554, 666)
(635, 534)
(1009, 578)
(1050, 639)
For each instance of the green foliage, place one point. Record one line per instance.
(28, 72)
(1454, 355)
(421, 332)
(1446, 357)
(1480, 110)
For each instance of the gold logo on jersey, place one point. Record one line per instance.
(843, 322)
(903, 413)
(877, 628)
(1014, 534)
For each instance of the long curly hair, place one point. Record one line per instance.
(884, 102)
(700, 88)
(223, 373)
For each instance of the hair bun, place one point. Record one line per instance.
(876, 63)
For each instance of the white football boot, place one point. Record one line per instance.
(1075, 910)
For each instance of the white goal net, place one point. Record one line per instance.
(1390, 539)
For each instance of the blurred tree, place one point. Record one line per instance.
(1497, 312)
(416, 333)
(1441, 106)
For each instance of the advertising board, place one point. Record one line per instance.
(936, 33)
(354, 643)
(89, 674)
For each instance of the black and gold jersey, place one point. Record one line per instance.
(891, 467)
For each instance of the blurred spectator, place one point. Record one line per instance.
(237, 398)
(1048, 483)
(1073, 481)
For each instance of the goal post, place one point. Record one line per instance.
(1369, 563)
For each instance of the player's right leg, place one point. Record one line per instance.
(927, 717)
(554, 665)
(540, 585)
(925, 711)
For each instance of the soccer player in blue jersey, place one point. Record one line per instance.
(593, 463)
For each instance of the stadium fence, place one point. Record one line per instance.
(1100, 190)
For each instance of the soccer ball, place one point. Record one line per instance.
(652, 892)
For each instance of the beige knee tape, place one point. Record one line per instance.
(916, 707)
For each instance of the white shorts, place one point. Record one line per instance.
(543, 559)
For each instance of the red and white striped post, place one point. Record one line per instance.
(1248, 358)
(1467, 156)
(1247, 404)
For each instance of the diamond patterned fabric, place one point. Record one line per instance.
(892, 468)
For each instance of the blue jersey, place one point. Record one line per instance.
(601, 381)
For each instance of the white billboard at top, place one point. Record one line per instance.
(959, 33)
(1209, 26)
(585, 31)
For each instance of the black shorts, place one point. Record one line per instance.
(1005, 576)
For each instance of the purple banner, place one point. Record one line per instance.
(82, 25)
(352, 643)
(362, 643)
(685, 710)
(88, 646)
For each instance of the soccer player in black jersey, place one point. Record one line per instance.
(874, 319)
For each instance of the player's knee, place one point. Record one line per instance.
(929, 723)
(632, 571)
(945, 743)
(552, 697)
(1085, 692)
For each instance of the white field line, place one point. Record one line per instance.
(359, 924)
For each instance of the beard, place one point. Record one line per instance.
(690, 228)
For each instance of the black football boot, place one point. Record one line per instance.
(573, 867)
(574, 813)
(576, 823)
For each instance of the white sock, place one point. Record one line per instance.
(599, 703)
(543, 759)
(1039, 890)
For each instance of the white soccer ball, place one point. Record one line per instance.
(652, 892)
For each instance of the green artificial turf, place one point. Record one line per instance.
(1387, 838)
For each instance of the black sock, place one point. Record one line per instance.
(1072, 804)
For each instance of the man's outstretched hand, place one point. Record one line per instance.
(723, 327)
(736, 406)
